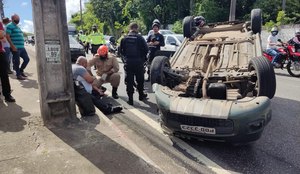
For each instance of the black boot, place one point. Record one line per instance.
(142, 95)
(114, 93)
(130, 99)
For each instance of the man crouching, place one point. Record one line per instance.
(107, 68)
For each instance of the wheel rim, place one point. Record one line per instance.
(295, 68)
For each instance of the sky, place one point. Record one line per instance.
(24, 9)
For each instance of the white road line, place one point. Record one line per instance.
(134, 147)
(184, 146)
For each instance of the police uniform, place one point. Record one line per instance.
(96, 39)
(134, 49)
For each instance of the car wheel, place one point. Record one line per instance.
(264, 77)
(256, 20)
(188, 24)
(158, 65)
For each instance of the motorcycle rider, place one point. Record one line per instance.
(154, 41)
(296, 41)
(134, 49)
(272, 47)
(96, 39)
(199, 23)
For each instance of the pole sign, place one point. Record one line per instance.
(52, 49)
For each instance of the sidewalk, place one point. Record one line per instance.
(91, 145)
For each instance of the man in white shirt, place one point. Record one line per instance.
(272, 47)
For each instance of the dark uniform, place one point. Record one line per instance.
(153, 49)
(134, 49)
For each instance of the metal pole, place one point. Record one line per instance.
(53, 60)
(81, 16)
(283, 5)
(232, 10)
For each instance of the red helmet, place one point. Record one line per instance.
(102, 50)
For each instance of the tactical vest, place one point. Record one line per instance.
(132, 50)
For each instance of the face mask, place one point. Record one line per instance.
(16, 21)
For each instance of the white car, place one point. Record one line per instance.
(172, 42)
(163, 32)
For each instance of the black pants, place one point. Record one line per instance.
(95, 48)
(3, 75)
(134, 70)
(104, 107)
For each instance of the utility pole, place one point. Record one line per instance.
(53, 60)
(81, 15)
(283, 5)
(232, 10)
(1, 9)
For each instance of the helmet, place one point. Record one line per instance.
(274, 31)
(102, 50)
(156, 21)
(297, 34)
(199, 21)
(155, 24)
(94, 26)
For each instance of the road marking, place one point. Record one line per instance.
(184, 146)
(134, 147)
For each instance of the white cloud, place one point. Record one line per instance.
(27, 26)
(73, 6)
(24, 4)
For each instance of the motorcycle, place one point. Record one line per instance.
(288, 58)
(112, 46)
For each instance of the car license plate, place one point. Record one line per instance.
(198, 129)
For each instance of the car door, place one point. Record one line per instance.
(170, 44)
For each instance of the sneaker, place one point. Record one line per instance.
(142, 96)
(23, 74)
(9, 98)
(115, 95)
(20, 77)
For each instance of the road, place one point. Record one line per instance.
(277, 151)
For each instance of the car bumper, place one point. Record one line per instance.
(217, 120)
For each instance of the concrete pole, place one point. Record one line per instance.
(283, 5)
(53, 60)
(232, 10)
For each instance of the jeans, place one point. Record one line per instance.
(274, 53)
(8, 56)
(21, 52)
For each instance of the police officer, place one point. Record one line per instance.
(134, 49)
(83, 40)
(154, 41)
(96, 39)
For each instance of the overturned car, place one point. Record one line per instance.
(217, 86)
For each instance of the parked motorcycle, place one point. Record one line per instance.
(112, 46)
(288, 58)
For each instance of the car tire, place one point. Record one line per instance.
(265, 76)
(256, 20)
(188, 25)
(157, 67)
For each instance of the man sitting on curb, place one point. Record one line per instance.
(81, 74)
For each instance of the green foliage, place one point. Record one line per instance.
(177, 27)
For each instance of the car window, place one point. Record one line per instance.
(170, 39)
(180, 38)
(72, 40)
